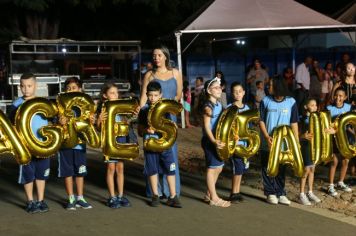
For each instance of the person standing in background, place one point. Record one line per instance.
(302, 78)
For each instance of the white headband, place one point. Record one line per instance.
(216, 79)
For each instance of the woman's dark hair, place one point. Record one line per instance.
(279, 87)
(166, 53)
(154, 86)
(73, 79)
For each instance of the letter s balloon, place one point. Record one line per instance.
(251, 136)
(167, 128)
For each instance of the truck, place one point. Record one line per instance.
(53, 61)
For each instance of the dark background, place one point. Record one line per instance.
(145, 20)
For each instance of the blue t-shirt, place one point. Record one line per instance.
(239, 110)
(275, 113)
(37, 121)
(216, 111)
(336, 111)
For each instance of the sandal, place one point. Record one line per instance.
(206, 198)
(220, 203)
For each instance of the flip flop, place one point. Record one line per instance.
(220, 203)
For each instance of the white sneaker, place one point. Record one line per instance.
(313, 197)
(303, 199)
(331, 190)
(272, 199)
(342, 186)
(283, 200)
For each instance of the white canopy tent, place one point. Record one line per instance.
(224, 16)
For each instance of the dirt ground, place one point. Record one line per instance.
(191, 158)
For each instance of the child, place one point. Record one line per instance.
(260, 93)
(275, 110)
(238, 164)
(109, 92)
(39, 168)
(309, 168)
(156, 162)
(187, 101)
(211, 110)
(337, 109)
(72, 161)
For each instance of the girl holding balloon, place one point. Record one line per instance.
(211, 109)
(109, 92)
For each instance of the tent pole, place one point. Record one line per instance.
(180, 68)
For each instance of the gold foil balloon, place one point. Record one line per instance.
(326, 138)
(76, 102)
(111, 129)
(52, 134)
(284, 136)
(315, 142)
(11, 142)
(346, 149)
(251, 136)
(321, 148)
(226, 132)
(167, 128)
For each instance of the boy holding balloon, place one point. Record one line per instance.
(37, 171)
(157, 162)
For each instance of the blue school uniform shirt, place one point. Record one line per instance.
(336, 111)
(239, 110)
(216, 111)
(37, 122)
(275, 113)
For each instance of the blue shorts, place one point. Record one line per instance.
(38, 168)
(238, 165)
(159, 163)
(211, 155)
(305, 146)
(120, 139)
(72, 162)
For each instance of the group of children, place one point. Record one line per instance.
(276, 109)
(72, 161)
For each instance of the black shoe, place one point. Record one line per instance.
(236, 198)
(155, 201)
(32, 207)
(42, 206)
(113, 202)
(174, 202)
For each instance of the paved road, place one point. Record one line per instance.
(254, 217)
